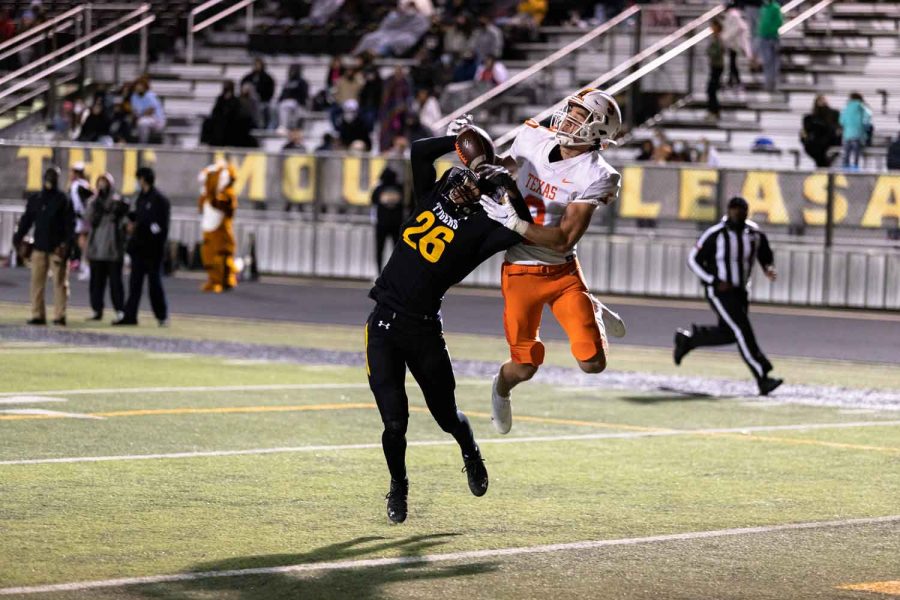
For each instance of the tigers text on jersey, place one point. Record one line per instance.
(549, 187)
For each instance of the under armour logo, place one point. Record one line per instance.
(383, 324)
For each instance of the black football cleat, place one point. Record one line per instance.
(476, 473)
(682, 345)
(768, 384)
(36, 322)
(396, 500)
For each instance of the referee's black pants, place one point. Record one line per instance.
(732, 308)
(393, 343)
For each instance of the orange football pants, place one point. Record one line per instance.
(527, 288)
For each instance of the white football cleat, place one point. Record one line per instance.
(501, 409)
(612, 322)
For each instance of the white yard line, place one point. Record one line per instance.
(52, 413)
(210, 388)
(449, 556)
(448, 442)
(29, 399)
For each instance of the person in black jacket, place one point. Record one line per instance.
(146, 247)
(820, 132)
(230, 122)
(723, 259)
(387, 204)
(893, 155)
(50, 212)
(293, 99)
(265, 88)
(446, 238)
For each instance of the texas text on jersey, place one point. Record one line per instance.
(442, 242)
(550, 186)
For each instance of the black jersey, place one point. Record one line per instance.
(439, 244)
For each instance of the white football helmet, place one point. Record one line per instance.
(600, 126)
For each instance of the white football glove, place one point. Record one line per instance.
(504, 214)
(457, 125)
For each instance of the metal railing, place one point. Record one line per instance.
(136, 20)
(193, 28)
(540, 65)
(672, 53)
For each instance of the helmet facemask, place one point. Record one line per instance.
(580, 124)
(461, 191)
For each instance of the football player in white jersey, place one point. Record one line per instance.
(563, 179)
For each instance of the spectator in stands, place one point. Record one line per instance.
(428, 110)
(322, 11)
(251, 105)
(327, 144)
(394, 106)
(466, 68)
(400, 148)
(426, 72)
(230, 123)
(295, 141)
(63, 124)
(491, 71)
(107, 214)
(7, 25)
(770, 19)
(646, 151)
(387, 213)
(148, 112)
(529, 16)
(487, 40)
(26, 22)
(707, 153)
(148, 233)
(893, 155)
(398, 32)
(264, 86)
(120, 123)
(293, 98)
(735, 38)
(855, 119)
(370, 94)
(459, 36)
(351, 126)
(95, 127)
(715, 51)
(820, 132)
(334, 72)
(751, 9)
(413, 129)
(347, 87)
(681, 153)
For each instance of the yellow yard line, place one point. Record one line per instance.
(891, 588)
(801, 442)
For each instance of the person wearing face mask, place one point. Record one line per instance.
(723, 260)
(107, 214)
(446, 238)
(51, 213)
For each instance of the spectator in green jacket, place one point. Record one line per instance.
(770, 19)
(855, 119)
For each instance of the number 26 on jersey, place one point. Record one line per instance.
(432, 240)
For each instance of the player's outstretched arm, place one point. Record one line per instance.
(422, 156)
(563, 238)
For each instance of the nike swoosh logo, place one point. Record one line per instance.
(566, 180)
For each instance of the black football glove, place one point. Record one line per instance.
(492, 178)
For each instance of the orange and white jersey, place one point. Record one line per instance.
(548, 188)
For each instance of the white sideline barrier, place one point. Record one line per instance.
(633, 265)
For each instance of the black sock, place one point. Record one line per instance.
(464, 436)
(394, 445)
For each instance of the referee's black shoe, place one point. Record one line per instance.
(396, 500)
(768, 384)
(476, 473)
(682, 344)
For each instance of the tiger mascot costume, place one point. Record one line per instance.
(217, 205)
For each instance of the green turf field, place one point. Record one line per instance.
(132, 473)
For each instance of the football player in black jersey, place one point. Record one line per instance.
(448, 235)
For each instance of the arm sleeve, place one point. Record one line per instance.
(602, 191)
(27, 219)
(700, 255)
(764, 255)
(422, 156)
(500, 238)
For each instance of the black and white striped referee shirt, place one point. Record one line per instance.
(726, 254)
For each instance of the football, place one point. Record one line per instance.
(475, 147)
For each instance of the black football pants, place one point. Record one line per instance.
(393, 343)
(734, 326)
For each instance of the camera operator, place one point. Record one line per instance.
(107, 214)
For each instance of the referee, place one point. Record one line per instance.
(448, 236)
(723, 259)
